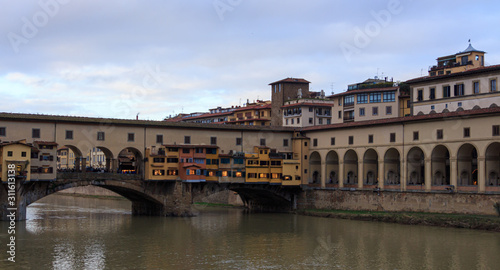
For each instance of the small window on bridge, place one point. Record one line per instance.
(159, 139)
(69, 134)
(131, 137)
(100, 135)
(3, 131)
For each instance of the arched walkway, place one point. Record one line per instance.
(492, 158)
(370, 167)
(440, 165)
(315, 168)
(416, 167)
(350, 168)
(467, 165)
(392, 169)
(332, 167)
(130, 161)
(70, 158)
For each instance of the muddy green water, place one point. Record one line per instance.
(65, 232)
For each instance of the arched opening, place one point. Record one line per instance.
(69, 159)
(467, 165)
(492, 159)
(370, 167)
(440, 166)
(392, 168)
(350, 168)
(332, 167)
(315, 168)
(99, 159)
(416, 167)
(130, 161)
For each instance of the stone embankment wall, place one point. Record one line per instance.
(481, 204)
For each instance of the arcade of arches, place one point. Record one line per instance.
(463, 167)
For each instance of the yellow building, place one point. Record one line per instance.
(258, 114)
(15, 155)
(468, 59)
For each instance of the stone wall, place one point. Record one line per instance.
(463, 203)
(91, 191)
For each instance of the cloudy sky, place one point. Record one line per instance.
(159, 58)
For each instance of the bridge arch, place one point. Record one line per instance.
(332, 167)
(72, 159)
(350, 167)
(392, 167)
(315, 168)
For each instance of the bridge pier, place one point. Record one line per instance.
(12, 203)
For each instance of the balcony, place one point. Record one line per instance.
(451, 65)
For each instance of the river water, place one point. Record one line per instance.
(64, 232)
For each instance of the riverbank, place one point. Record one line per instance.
(475, 222)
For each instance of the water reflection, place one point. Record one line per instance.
(78, 233)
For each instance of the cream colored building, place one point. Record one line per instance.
(307, 112)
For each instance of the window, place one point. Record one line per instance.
(320, 121)
(35, 133)
(285, 142)
(432, 107)
(172, 160)
(263, 142)
(23, 154)
(315, 142)
(388, 110)
(305, 143)
(370, 138)
(349, 100)
(213, 140)
(198, 150)
(466, 132)
(3, 131)
(493, 85)
(439, 134)
(361, 111)
(159, 139)
(340, 114)
(292, 121)
(187, 139)
(69, 135)
(420, 95)
(310, 120)
(465, 59)
(238, 141)
(374, 97)
(415, 135)
(458, 90)
(351, 139)
(332, 141)
(305, 156)
(389, 96)
(362, 98)
(9, 153)
(185, 150)
(131, 137)
(432, 94)
(459, 104)
(446, 91)
(475, 86)
(158, 160)
(375, 111)
(328, 121)
(496, 130)
(286, 122)
(392, 137)
(100, 135)
(298, 120)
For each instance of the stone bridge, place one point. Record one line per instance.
(151, 198)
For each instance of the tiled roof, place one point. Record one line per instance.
(45, 143)
(456, 74)
(407, 119)
(128, 122)
(291, 80)
(190, 146)
(254, 107)
(351, 92)
(308, 104)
